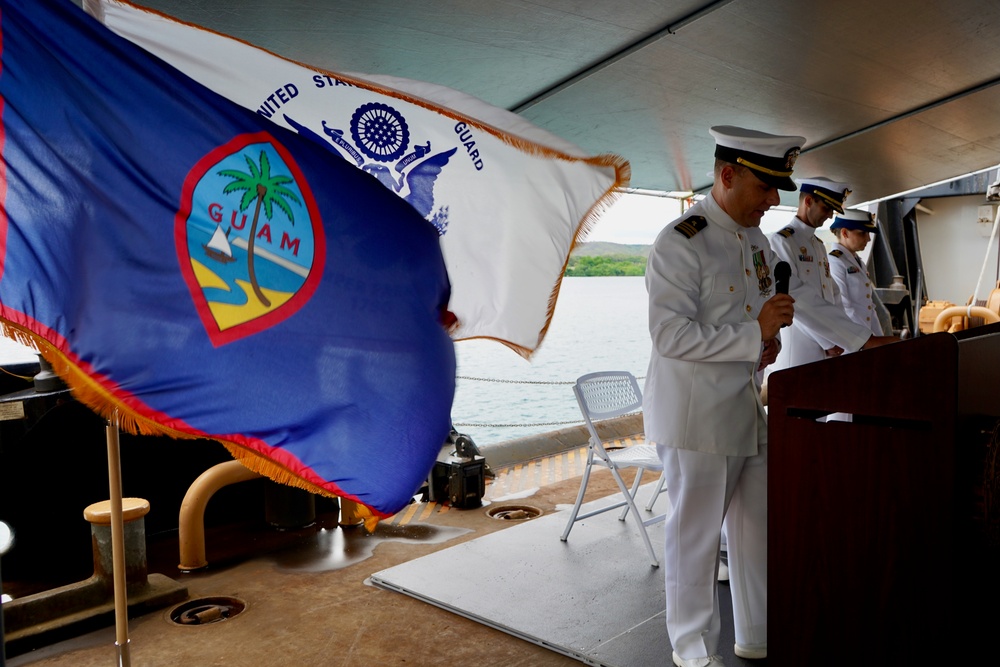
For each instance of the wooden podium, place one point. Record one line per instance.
(876, 545)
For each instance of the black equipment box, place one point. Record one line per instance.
(459, 474)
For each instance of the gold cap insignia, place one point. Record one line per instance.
(790, 157)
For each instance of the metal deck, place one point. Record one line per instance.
(594, 598)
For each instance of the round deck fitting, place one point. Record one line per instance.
(203, 611)
(513, 512)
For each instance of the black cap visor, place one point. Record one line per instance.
(776, 172)
(781, 182)
(859, 226)
(827, 197)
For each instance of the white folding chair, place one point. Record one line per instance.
(605, 395)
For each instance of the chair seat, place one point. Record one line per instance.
(644, 456)
(605, 395)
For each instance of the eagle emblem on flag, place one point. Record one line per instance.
(380, 133)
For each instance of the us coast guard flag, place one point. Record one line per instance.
(508, 198)
(204, 273)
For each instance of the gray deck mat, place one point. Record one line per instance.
(594, 597)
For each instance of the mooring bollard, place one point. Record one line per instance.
(134, 531)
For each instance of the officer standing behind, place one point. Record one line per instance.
(819, 199)
(853, 230)
(713, 320)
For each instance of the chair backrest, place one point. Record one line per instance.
(604, 395)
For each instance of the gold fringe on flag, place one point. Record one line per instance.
(620, 164)
(91, 394)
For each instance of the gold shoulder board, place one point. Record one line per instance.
(691, 226)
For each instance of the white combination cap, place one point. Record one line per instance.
(770, 157)
(855, 219)
(832, 192)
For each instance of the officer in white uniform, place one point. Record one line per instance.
(853, 230)
(713, 319)
(819, 199)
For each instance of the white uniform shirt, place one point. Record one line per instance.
(797, 244)
(855, 287)
(707, 279)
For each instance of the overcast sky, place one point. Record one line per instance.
(638, 218)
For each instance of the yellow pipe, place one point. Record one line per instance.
(351, 513)
(191, 525)
(989, 317)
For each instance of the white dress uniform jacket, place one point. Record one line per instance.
(708, 278)
(855, 287)
(797, 244)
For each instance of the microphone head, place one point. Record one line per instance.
(782, 272)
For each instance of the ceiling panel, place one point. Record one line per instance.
(863, 81)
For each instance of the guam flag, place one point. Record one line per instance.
(508, 198)
(192, 269)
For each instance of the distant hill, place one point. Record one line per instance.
(604, 249)
(601, 258)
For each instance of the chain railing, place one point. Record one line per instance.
(502, 381)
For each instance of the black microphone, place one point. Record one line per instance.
(782, 272)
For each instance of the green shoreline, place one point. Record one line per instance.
(607, 265)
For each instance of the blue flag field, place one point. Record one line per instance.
(192, 269)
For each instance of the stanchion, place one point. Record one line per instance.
(118, 543)
(6, 542)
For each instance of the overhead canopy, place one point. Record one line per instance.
(891, 95)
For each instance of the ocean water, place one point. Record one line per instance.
(600, 324)
(12, 352)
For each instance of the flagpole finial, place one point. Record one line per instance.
(46, 379)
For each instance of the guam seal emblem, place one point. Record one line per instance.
(249, 237)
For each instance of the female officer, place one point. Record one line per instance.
(852, 230)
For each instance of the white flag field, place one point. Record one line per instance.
(509, 199)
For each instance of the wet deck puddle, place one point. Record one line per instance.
(339, 547)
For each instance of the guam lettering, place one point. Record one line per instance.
(249, 239)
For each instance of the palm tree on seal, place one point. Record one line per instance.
(268, 191)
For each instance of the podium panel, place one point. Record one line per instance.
(874, 536)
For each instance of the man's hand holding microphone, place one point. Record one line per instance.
(777, 311)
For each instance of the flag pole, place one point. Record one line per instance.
(118, 543)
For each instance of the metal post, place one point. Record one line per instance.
(118, 544)
(6, 542)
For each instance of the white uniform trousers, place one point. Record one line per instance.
(704, 490)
